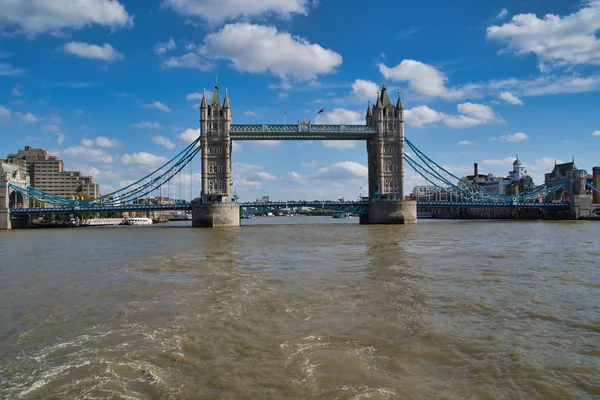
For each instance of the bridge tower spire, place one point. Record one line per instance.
(215, 207)
(386, 163)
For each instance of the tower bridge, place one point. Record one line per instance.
(383, 133)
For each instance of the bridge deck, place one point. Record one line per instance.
(302, 131)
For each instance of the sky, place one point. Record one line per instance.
(112, 87)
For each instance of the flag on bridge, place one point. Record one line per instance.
(320, 111)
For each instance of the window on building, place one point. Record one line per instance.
(219, 168)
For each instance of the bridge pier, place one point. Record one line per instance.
(215, 215)
(391, 212)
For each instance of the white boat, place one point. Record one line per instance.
(103, 221)
(138, 221)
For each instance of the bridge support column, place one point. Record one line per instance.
(4, 203)
(391, 212)
(215, 215)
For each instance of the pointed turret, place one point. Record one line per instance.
(369, 109)
(216, 101)
(204, 103)
(378, 104)
(385, 100)
(399, 103)
(226, 101)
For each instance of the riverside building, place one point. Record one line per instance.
(47, 173)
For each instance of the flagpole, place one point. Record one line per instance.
(284, 116)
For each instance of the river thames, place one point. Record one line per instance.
(308, 307)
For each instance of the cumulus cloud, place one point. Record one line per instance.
(364, 90)
(216, 11)
(258, 48)
(34, 17)
(101, 141)
(60, 138)
(163, 47)
(189, 135)
(511, 98)
(193, 96)
(555, 40)
(88, 154)
(503, 13)
(548, 84)
(250, 113)
(469, 115)
(85, 50)
(189, 60)
(513, 137)
(28, 118)
(16, 91)
(8, 70)
(340, 116)
(5, 115)
(163, 141)
(158, 105)
(251, 175)
(147, 124)
(143, 159)
(345, 170)
(596, 133)
(423, 79)
(465, 142)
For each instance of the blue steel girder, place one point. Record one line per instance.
(100, 209)
(301, 131)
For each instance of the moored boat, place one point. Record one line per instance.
(138, 221)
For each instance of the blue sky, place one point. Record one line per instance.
(111, 86)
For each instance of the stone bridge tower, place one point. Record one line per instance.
(17, 175)
(215, 207)
(386, 164)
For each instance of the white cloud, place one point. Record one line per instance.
(29, 118)
(85, 50)
(470, 115)
(548, 84)
(504, 162)
(513, 137)
(189, 135)
(555, 40)
(101, 141)
(163, 47)
(5, 115)
(340, 116)
(217, 11)
(55, 119)
(16, 91)
(511, 98)
(340, 144)
(158, 105)
(465, 142)
(33, 17)
(596, 133)
(163, 141)
(267, 143)
(143, 159)
(88, 154)
(51, 128)
(189, 60)
(364, 90)
(8, 70)
(251, 175)
(251, 113)
(193, 96)
(60, 138)
(345, 170)
(422, 78)
(259, 48)
(503, 13)
(147, 124)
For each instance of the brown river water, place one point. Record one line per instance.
(302, 308)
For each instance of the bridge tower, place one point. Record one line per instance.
(386, 164)
(215, 207)
(17, 175)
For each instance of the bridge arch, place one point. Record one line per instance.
(16, 199)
